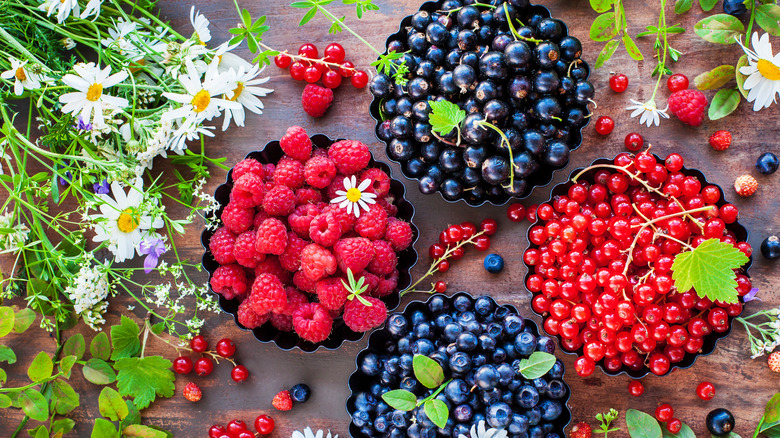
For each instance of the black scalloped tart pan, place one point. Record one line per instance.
(711, 340)
(540, 178)
(271, 153)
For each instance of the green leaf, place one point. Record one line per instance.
(5, 401)
(709, 267)
(641, 425)
(707, 5)
(63, 398)
(400, 399)
(75, 346)
(7, 355)
(133, 416)
(246, 18)
(724, 103)
(39, 432)
(427, 371)
(6, 320)
(682, 6)
(308, 16)
(40, 368)
(741, 78)
(445, 116)
(601, 5)
(301, 5)
(124, 338)
(631, 48)
(772, 411)
(158, 328)
(98, 372)
(104, 429)
(66, 364)
(536, 365)
(99, 347)
(34, 404)
(767, 16)
(23, 320)
(715, 78)
(719, 29)
(603, 27)
(141, 431)
(144, 379)
(606, 53)
(3, 377)
(437, 412)
(63, 425)
(111, 405)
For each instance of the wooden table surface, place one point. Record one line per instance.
(743, 385)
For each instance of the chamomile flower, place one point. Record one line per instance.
(479, 431)
(198, 101)
(92, 8)
(307, 433)
(62, 8)
(354, 196)
(24, 79)
(762, 71)
(201, 25)
(122, 38)
(246, 93)
(121, 221)
(90, 82)
(651, 115)
(188, 131)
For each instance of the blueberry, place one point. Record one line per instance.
(457, 391)
(413, 431)
(400, 419)
(534, 415)
(423, 330)
(734, 7)
(556, 389)
(361, 418)
(499, 415)
(478, 360)
(369, 365)
(392, 365)
(487, 377)
(442, 321)
(451, 332)
(418, 316)
(463, 413)
(513, 324)
(423, 346)
(397, 325)
(300, 393)
(460, 363)
(460, 430)
(551, 409)
(462, 303)
(527, 397)
(492, 396)
(499, 355)
(556, 372)
(767, 163)
(377, 390)
(535, 432)
(487, 343)
(770, 248)
(518, 425)
(495, 330)
(405, 345)
(381, 424)
(387, 379)
(410, 384)
(382, 408)
(545, 344)
(438, 304)
(494, 263)
(365, 402)
(525, 343)
(467, 341)
(442, 359)
(478, 416)
(541, 385)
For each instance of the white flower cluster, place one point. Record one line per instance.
(89, 291)
(13, 235)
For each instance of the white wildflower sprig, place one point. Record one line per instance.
(764, 336)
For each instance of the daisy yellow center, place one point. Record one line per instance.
(94, 92)
(20, 74)
(769, 70)
(237, 92)
(201, 100)
(353, 194)
(128, 220)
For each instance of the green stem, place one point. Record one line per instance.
(751, 21)
(18, 46)
(334, 19)
(433, 396)
(504, 140)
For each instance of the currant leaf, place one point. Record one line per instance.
(144, 379)
(709, 269)
(445, 116)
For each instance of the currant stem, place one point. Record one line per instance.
(214, 355)
(624, 169)
(504, 140)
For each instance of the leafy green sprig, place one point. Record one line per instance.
(356, 288)
(605, 422)
(664, 51)
(611, 26)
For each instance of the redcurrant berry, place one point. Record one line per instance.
(217, 431)
(199, 344)
(468, 229)
(444, 266)
(489, 226)
(204, 366)
(674, 162)
(236, 426)
(618, 83)
(182, 365)
(264, 424)
(359, 79)
(347, 69)
(308, 51)
(674, 425)
(335, 53)
(605, 125)
(331, 79)
(312, 74)
(239, 373)
(664, 413)
(482, 243)
(705, 391)
(516, 212)
(226, 347)
(298, 70)
(636, 388)
(634, 142)
(584, 366)
(440, 287)
(282, 60)
(677, 82)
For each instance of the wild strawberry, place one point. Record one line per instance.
(745, 185)
(581, 430)
(282, 401)
(720, 140)
(774, 361)
(192, 392)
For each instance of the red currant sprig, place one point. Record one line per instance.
(331, 68)
(204, 365)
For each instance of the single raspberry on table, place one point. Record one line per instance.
(282, 401)
(688, 106)
(745, 186)
(774, 361)
(319, 171)
(398, 233)
(222, 245)
(295, 299)
(230, 281)
(300, 219)
(296, 143)
(279, 201)
(349, 156)
(385, 260)
(192, 392)
(307, 195)
(244, 250)
(372, 223)
(290, 259)
(316, 100)
(325, 229)
(317, 262)
(248, 191)
(720, 140)
(268, 295)
(360, 317)
(581, 430)
(332, 293)
(282, 322)
(353, 253)
(312, 322)
(271, 237)
(248, 165)
(271, 265)
(380, 181)
(302, 282)
(247, 316)
(289, 172)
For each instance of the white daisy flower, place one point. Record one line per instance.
(479, 431)
(63, 8)
(227, 60)
(121, 222)
(307, 433)
(762, 71)
(188, 131)
(651, 115)
(354, 197)
(91, 81)
(93, 7)
(201, 25)
(198, 101)
(246, 93)
(122, 37)
(22, 76)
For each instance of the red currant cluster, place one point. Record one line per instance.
(331, 68)
(238, 429)
(204, 365)
(601, 264)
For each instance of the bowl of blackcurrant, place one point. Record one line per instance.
(483, 353)
(484, 102)
(609, 250)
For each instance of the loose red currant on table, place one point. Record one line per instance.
(359, 79)
(618, 82)
(674, 425)
(239, 373)
(204, 366)
(677, 82)
(199, 344)
(636, 388)
(664, 413)
(308, 51)
(489, 226)
(236, 426)
(634, 142)
(264, 424)
(334, 53)
(605, 125)
(516, 212)
(705, 391)
(217, 431)
(226, 347)
(182, 365)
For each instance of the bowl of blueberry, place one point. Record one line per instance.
(450, 365)
(486, 101)
(627, 265)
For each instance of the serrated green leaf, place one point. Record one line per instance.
(400, 399)
(707, 5)
(7, 355)
(715, 78)
(5, 401)
(34, 404)
(720, 29)
(768, 17)
(709, 267)
(141, 431)
(66, 364)
(98, 372)
(6, 320)
(75, 346)
(63, 425)
(63, 398)
(631, 48)
(104, 429)
(437, 412)
(111, 405)
(536, 365)
(445, 116)
(603, 27)
(601, 5)
(682, 6)
(124, 338)
(741, 78)
(23, 320)
(606, 53)
(427, 371)
(724, 103)
(144, 379)
(40, 368)
(642, 425)
(99, 347)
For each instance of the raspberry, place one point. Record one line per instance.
(296, 143)
(282, 322)
(271, 265)
(349, 156)
(291, 257)
(248, 191)
(300, 219)
(295, 299)
(325, 229)
(386, 285)
(361, 318)
(346, 220)
(372, 223)
(688, 106)
(399, 234)
(268, 171)
(307, 196)
(581, 430)
(370, 280)
(192, 392)
(380, 181)
(720, 140)
(289, 172)
(319, 172)
(279, 201)
(384, 258)
(271, 237)
(317, 262)
(237, 219)
(387, 204)
(244, 250)
(282, 401)
(260, 216)
(745, 186)
(245, 166)
(335, 185)
(229, 281)
(353, 254)
(221, 246)
(332, 293)
(247, 316)
(316, 100)
(303, 283)
(267, 295)
(312, 322)
(774, 361)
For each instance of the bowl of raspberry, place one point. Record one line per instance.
(312, 242)
(637, 265)
(492, 371)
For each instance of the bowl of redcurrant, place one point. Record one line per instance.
(517, 92)
(600, 264)
(482, 349)
(284, 256)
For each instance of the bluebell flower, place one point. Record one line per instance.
(153, 249)
(101, 188)
(83, 126)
